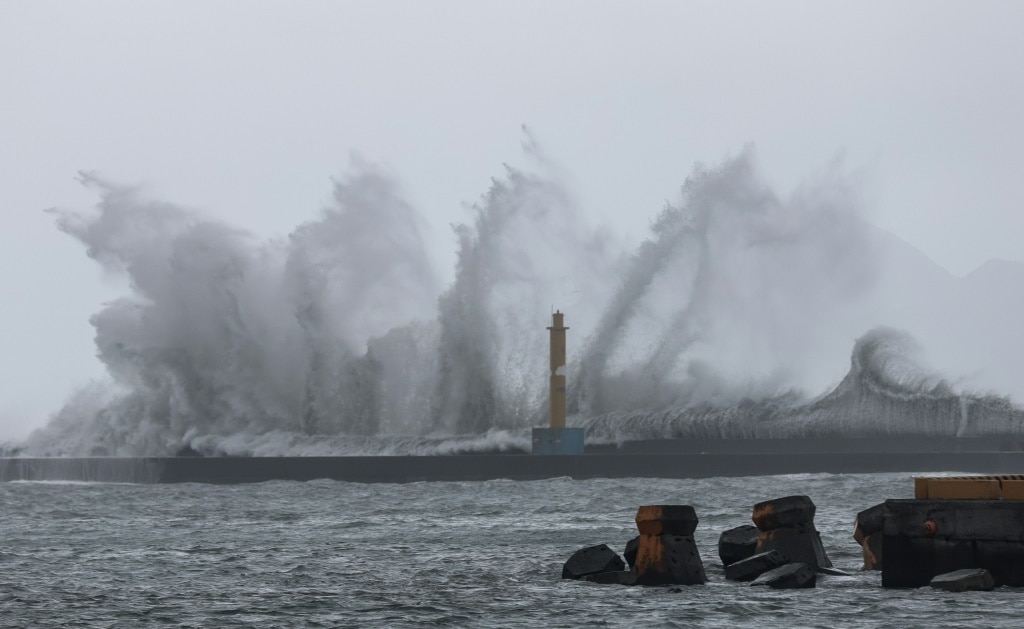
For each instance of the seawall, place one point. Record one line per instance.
(405, 469)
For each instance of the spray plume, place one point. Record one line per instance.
(338, 339)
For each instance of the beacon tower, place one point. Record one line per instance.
(557, 439)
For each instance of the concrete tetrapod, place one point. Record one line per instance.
(787, 525)
(667, 553)
(752, 567)
(783, 512)
(868, 532)
(592, 560)
(788, 577)
(736, 544)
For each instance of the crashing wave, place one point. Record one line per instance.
(885, 393)
(339, 339)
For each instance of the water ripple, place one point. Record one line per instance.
(328, 554)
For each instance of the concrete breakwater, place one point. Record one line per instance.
(970, 537)
(403, 469)
(787, 554)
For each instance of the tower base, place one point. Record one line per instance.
(558, 441)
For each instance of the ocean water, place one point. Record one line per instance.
(326, 554)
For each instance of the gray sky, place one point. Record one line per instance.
(244, 110)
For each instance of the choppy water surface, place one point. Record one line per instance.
(457, 554)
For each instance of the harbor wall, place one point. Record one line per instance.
(404, 469)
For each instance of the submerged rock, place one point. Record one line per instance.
(592, 560)
(788, 577)
(737, 544)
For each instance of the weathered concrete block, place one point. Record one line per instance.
(592, 560)
(620, 577)
(971, 579)
(783, 512)
(668, 559)
(666, 520)
(801, 544)
(666, 553)
(788, 577)
(926, 538)
(752, 567)
(872, 549)
(630, 553)
(867, 530)
(869, 521)
(736, 544)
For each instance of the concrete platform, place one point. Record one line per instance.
(927, 538)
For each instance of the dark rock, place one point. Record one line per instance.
(668, 560)
(592, 560)
(801, 544)
(788, 577)
(630, 553)
(738, 543)
(752, 567)
(621, 577)
(666, 520)
(783, 512)
(971, 579)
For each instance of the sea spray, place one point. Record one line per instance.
(223, 335)
(730, 297)
(885, 392)
(526, 250)
(339, 340)
(330, 335)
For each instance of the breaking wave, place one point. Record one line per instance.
(885, 393)
(339, 339)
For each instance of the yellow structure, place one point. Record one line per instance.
(557, 439)
(1006, 487)
(558, 369)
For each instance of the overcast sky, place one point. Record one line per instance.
(245, 110)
